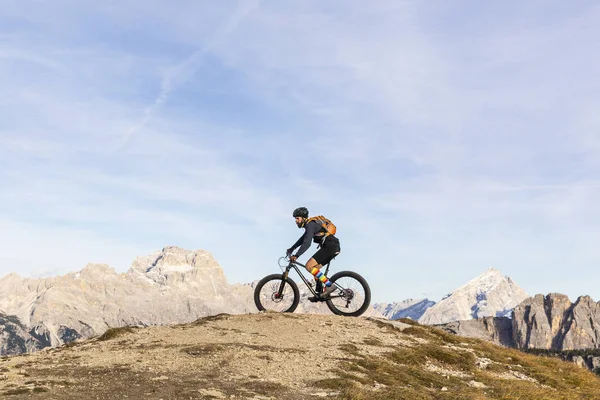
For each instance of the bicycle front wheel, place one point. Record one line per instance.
(274, 293)
(352, 296)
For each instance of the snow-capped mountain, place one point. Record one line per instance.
(490, 294)
(410, 308)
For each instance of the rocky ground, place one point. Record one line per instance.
(264, 356)
(287, 356)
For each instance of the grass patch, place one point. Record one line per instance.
(332, 384)
(373, 341)
(433, 334)
(419, 332)
(433, 353)
(408, 321)
(349, 348)
(567, 355)
(444, 366)
(234, 330)
(210, 318)
(13, 392)
(115, 332)
(209, 348)
(264, 388)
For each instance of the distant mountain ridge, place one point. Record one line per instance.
(409, 308)
(175, 286)
(489, 294)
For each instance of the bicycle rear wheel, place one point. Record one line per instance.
(274, 293)
(352, 296)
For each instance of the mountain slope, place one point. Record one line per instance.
(16, 339)
(490, 294)
(290, 357)
(409, 308)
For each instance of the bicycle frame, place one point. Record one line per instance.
(294, 265)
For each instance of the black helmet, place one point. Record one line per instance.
(301, 212)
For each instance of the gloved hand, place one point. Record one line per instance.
(288, 252)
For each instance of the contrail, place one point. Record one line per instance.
(183, 71)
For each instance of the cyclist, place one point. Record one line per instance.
(329, 248)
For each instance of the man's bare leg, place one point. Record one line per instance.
(314, 268)
(312, 264)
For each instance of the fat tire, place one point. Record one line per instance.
(363, 283)
(278, 277)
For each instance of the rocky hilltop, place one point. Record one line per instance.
(289, 357)
(490, 294)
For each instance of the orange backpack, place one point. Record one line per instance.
(326, 224)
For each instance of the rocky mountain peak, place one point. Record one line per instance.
(554, 322)
(486, 281)
(174, 265)
(489, 294)
(174, 259)
(93, 271)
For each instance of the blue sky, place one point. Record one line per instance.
(441, 138)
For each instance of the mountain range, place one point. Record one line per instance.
(175, 285)
(167, 287)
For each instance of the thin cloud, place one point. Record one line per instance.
(181, 73)
(16, 55)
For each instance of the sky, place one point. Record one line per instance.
(442, 138)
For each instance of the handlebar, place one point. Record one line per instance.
(287, 261)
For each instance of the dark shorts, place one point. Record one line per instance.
(328, 250)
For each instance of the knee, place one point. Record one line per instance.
(311, 264)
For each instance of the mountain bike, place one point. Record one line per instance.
(278, 292)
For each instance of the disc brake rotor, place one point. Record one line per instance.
(276, 297)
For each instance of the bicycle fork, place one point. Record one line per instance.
(279, 293)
